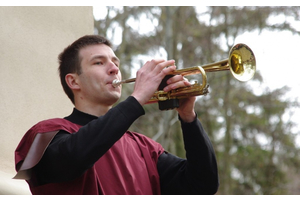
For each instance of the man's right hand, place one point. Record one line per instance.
(149, 77)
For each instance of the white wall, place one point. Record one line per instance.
(30, 40)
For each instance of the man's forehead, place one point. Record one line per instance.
(98, 51)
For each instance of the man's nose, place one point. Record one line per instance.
(113, 69)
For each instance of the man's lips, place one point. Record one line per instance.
(111, 81)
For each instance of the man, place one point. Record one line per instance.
(91, 151)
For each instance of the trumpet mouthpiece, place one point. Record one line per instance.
(115, 83)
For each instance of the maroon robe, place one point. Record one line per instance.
(128, 167)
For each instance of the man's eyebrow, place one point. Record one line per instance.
(98, 57)
(104, 57)
(115, 58)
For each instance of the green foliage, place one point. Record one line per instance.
(255, 146)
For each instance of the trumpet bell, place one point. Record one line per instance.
(242, 62)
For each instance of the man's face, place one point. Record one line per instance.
(99, 67)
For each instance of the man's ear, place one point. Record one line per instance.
(72, 81)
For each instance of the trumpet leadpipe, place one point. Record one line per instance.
(115, 83)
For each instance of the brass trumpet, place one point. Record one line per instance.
(241, 62)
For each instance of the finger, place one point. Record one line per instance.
(186, 81)
(175, 79)
(150, 65)
(178, 78)
(164, 67)
(167, 70)
(176, 85)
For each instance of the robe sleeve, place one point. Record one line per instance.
(34, 143)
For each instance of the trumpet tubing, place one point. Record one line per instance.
(241, 62)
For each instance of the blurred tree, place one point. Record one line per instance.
(255, 146)
(245, 116)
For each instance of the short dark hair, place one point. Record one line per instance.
(69, 61)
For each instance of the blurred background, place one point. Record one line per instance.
(254, 126)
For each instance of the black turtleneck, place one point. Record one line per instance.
(195, 175)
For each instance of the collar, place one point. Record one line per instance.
(80, 118)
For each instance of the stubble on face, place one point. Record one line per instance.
(98, 63)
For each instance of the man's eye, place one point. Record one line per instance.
(99, 63)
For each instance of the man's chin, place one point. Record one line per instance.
(114, 97)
